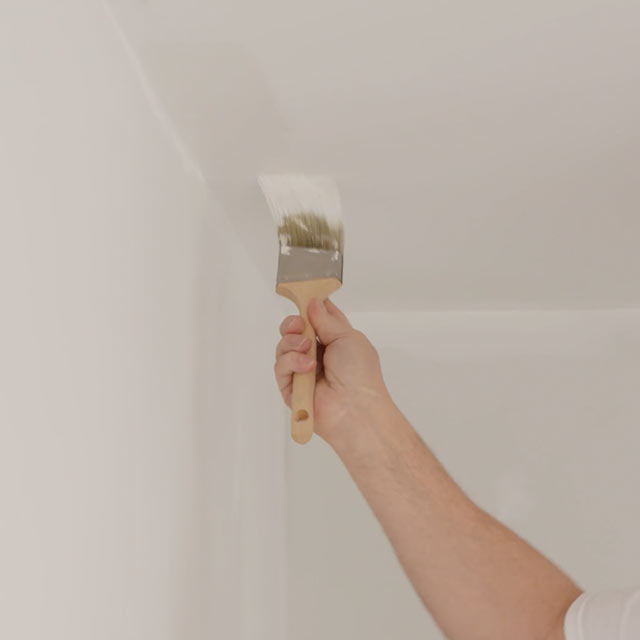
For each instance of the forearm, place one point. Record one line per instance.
(476, 577)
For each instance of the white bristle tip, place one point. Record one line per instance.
(291, 194)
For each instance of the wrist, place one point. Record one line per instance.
(368, 428)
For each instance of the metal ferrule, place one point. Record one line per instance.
(300, 263)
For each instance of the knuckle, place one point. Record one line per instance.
(285, 324)
(362, 337)
(291, 360)
(359, 336)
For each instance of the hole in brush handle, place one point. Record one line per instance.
(301, 415)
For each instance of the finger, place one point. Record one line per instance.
(293, 342)
(335, 311)
(328, 326)
(287, 392)
(291, 363)
(292, 324)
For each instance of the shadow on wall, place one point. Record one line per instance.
(218, 98)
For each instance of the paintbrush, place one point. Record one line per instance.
(308, 214)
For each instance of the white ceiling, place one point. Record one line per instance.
(488, 153)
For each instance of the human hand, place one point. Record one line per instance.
(349, 380)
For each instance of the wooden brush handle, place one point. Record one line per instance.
(304, 384)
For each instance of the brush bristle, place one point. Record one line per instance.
(306, 209)
(312, 231)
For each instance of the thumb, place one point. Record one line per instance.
(328, 326)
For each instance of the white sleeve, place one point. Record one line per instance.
(610, 615)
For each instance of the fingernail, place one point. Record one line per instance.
(303, 340)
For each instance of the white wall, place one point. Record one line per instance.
(140, 484)
(141, 453)
(536, 414)
(243, 442)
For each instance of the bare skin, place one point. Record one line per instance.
(477, 578)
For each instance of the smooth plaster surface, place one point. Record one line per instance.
(488, 153)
